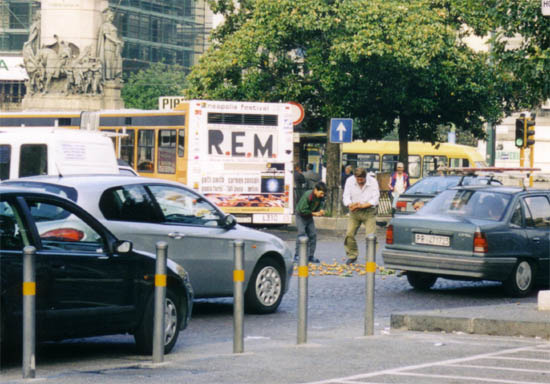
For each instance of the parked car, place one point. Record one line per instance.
(475, 232)
(199, 235)
(425, 189)
(85, 286)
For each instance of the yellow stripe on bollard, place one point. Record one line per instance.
(303, 271)
(238, 275)
(160, 280)
(370, 267)
(29, 288)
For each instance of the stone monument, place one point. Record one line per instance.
(73, 57)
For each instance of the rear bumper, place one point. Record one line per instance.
(488, 268)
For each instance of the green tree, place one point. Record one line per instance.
(142, 89)
(386, 63)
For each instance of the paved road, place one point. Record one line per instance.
(335, 348)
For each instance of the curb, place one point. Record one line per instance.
(432, 323)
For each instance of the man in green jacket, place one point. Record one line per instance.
(310, 204)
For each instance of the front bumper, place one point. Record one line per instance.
(481, 267)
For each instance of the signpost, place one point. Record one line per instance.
(341, 130)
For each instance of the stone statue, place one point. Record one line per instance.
(34, 33)
(109, 48)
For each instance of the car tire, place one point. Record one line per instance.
(144, 334)
(265, 287)
(420, 280)
(521, 280)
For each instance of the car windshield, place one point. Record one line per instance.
(487, 205)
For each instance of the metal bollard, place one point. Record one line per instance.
(160, 302)
(303, 273)
(29, 312)
(238, 297)
(370, 268)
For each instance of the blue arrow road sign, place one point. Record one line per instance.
(341, 130)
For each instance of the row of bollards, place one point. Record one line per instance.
(29, 299)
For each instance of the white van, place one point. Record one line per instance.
(54, 151)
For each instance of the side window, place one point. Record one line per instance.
(414, 166)
(127, 144)
(181, 142)
(539, 208)
(432, 163)
(33, 160)
(146, 150)
(180, 206)
(517, 216)
(167, 151)
(5, 161)
(129, 203)
(11, 237)
(60, 228)
(389, 162)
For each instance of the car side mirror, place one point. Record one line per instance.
(229, 221)
(123, 246)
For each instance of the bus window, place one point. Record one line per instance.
(369, 161)
(456, 163)
(5, 156)
(431, 163)
(146, 150)
(127, 144)
(414, 166)
(181, 142)
(167, 151)
(389, 162)
(33, 160)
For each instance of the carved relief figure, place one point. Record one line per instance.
(34, 33)
(109, 48)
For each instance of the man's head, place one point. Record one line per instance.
(348, 169)
(297, 168)
(310, 167)
(360, 176)
(400, 167)
(320, 189)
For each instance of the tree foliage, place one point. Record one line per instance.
(142, 89)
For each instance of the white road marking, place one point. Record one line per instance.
(403, 371)
(473, 378)
(498, 368)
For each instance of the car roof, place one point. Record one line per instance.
(6, 189)
(499, 188)
(96, 181)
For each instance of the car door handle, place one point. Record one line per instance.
(59, 266)
(536, 240)
(176, 235)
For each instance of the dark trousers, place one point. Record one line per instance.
(306, 227)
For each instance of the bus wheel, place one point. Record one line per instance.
(265, 288)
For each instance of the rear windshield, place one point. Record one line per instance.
(435, 185)
(487, 205)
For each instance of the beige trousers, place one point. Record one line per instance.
(365, 216)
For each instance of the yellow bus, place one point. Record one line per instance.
(424, 158)
(238, 154)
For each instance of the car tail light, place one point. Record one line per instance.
(389, 234)
(68, 234)
(401, 205)
(480, 242)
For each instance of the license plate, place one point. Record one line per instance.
(271, 218)
(442, 241)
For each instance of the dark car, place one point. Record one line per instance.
(475, 232)
(86, 285)
(425, 189)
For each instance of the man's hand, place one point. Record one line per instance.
(319, 213)
(355, 206)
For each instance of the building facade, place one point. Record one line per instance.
(169, 31)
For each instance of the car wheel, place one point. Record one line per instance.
(144, 334)
(520, 282)
(420, 280)
(265, 288)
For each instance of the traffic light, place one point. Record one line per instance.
(530, 129)
(520, 132)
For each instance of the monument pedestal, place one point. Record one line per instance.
(110, 99)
